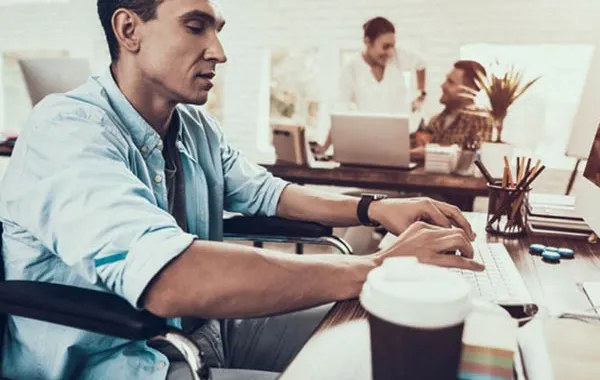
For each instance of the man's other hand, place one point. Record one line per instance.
(396, 215)
(435, 246)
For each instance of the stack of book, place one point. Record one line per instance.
(490, 349)
(441, 159)
(555, 215)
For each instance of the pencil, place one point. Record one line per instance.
(517, 205)
(522, 171)
(510, 176)
(535, 175)
(532, 171)
(486, 174)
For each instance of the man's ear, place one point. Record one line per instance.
(126, 24)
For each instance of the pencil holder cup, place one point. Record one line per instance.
(465, 164)
(507, 211)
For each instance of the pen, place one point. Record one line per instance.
(486, 174)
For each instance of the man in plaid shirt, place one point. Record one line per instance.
(460, 122)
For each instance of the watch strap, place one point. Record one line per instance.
(362, 209)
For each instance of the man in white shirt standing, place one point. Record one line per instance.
(374, 80)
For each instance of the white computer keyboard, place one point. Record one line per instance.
(500, 282)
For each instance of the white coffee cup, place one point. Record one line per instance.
(416, 318)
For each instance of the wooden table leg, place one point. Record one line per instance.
(572, 177)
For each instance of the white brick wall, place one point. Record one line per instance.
(438, 27)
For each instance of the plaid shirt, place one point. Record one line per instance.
(469, 128)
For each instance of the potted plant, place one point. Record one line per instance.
(503, 88)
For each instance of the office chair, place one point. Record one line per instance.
(109, 314)
(94, 311)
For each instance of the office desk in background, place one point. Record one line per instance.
(458, 190)
(346, 348)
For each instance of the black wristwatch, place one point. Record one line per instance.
(363, 208)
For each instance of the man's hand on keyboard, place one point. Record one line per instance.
(430, 245)
(396, 215)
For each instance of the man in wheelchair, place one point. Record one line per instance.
(120, 186)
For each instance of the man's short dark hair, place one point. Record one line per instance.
(470, 69)
(377, 26)
(146, 9)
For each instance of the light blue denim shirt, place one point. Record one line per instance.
(83, 203)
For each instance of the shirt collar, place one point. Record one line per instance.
(144, 136)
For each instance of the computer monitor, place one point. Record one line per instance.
(588, 193)
(45, 76)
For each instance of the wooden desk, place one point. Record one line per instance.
(458, 190)
(551, 285)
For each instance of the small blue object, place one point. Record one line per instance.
(537, 249)
(566, 253)
(551, 249)
(551, 256)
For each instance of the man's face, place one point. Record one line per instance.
(180, 49)
(451, 87)
(382, 49)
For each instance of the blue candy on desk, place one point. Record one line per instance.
(551, 256)
(566, 253)
(537, 249)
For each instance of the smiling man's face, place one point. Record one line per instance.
(180, 49)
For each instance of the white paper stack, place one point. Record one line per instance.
(550, 214)
(441, 159)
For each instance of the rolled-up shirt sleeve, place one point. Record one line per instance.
(420, 62)
(249, 188)
(410, 60)
(85, 205)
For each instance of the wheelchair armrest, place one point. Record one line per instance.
(272, 226)
(80, 308)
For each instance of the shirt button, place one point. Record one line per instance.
(160, 144)
(144, 149)
(161, 365)
(158, 179)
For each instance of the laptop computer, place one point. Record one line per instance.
(371, 140)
